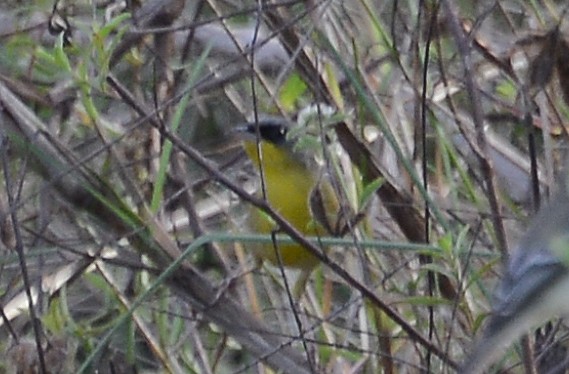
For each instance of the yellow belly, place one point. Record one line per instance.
(288, 186)
(296, 210)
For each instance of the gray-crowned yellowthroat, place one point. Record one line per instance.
(295, 186)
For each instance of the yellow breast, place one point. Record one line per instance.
(288, 184)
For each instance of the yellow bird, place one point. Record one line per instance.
(295, 187)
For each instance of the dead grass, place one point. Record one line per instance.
(122, 211)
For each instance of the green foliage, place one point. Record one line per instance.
(138, 203)
(292, 91)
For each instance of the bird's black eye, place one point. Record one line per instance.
(271, 131)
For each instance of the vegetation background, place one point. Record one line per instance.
(124, 197)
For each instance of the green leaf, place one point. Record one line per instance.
(291, 91)
(426, 301)
(333, 85)
(60, 56)
(369, 191)
(445, 242)
(506, 89)
(54, 320)
(158, 192)
(113, 25)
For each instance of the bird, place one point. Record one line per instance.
(296, 186)
(535, 284)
